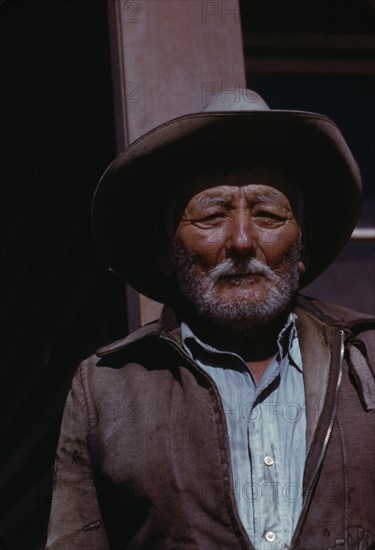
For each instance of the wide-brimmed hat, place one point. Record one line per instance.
(234, 130)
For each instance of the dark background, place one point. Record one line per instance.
(58, 300)
(59, 303)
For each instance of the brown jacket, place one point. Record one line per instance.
(143, 458)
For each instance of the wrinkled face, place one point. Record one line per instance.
(237, 249)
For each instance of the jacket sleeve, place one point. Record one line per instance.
(75, 520)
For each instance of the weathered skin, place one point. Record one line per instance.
(250, 217)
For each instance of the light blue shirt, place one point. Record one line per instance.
(267, 434)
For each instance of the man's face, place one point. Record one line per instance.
(236, 250)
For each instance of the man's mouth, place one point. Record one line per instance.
(242, 278)
(243, 274)
(245, 271)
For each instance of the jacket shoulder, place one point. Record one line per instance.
(359, 331)
(336, 315)
(137, 351)
(166, 324)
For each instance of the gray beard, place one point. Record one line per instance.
(200, 287)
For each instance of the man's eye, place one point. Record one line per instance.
(213, 216)
(268, 216)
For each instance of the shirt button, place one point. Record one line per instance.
(268, 460)
(270, 536)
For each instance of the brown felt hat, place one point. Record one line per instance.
(232, 131)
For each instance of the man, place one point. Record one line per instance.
(243, 417)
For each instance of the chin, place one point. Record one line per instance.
(253, 291)
(243, 309)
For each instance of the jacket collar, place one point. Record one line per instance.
(326, 314)
(317, 326)
(332, 314)
(168, 323)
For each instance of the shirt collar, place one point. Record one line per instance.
(287, 342)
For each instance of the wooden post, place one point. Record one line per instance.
(168, 58)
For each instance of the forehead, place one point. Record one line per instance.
(261, 182)
(226, 195)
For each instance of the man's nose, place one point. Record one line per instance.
(242, 238)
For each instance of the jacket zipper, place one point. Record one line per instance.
(186, 356)
(307, 497)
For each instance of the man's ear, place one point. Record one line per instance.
(301, 266)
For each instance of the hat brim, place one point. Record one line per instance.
(130, 196)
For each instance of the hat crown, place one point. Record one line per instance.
(237, 99)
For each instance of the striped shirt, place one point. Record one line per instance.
(267, 434)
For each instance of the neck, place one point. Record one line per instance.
(254, 344)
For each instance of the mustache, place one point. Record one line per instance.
(243, 266)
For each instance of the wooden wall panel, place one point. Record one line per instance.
(168, 58)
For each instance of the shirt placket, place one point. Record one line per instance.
(265, 469)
